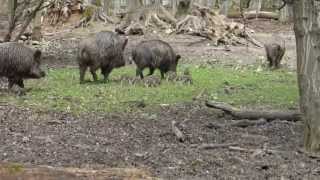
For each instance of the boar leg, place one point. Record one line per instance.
(17, 81)
(11, 83)
(106, 71)
(82, 73)
(280, 56)
(139, 72)
(162, 74)
(20, 83)
(93, 70)
(270, 62)
(151, 71)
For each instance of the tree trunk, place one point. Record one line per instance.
(12, 5)
(3, 7)
(36, 31)
(255, 5)
(286, 13)
(184, 6)
(174, 4)
(225, 7)
(107, 6)
(307, 28)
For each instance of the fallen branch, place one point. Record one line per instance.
(247, 114)
(181, 137)
(247, 123)
(261, 14)
(252, 39)
(254, 14)
(239, 123)
(214, 146)
(254, 152)
(17, 171)
(309, 154)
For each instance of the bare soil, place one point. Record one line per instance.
(145, 140)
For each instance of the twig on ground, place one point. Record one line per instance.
(181, 137)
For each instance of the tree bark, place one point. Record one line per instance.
(174, 4)
(307, 28)
(3, 7)
(225, 7)
(12, 5)
(255, 5)
(107, 6)
(36, 31)
(286, 13)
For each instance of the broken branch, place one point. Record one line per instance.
(249, 114)
(181, 137)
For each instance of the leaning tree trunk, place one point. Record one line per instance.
(307, 28)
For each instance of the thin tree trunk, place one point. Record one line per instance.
(286, 13)
(307, 28)
(3, 7)
(12, 5)
(36, 31)
(225, 7)
(107, 6)
(174, 4)
(255, 5)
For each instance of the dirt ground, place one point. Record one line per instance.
(145, 139)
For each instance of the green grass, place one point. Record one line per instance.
(61, 90)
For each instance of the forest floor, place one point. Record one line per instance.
(143, 137)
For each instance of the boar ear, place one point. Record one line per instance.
(178, 57)
(37, 55)
(125, 43)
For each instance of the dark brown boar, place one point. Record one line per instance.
(155, 54)
(275, 53)
(18, 62)
(104, 51)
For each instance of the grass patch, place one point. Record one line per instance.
(61, 90)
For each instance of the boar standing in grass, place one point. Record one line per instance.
(104, 51)
(155, 54)
(18, 62)
(274, 54)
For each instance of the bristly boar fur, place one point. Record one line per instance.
(104, 51)
(155, 54)
(18, 62)
(275, 53)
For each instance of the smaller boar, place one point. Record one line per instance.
(274, 54)
(155, 54)
(18, 62)
(104, 51)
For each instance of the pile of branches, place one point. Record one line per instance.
(61, 10)
(201, 21)
(136, 22)
(209, 24)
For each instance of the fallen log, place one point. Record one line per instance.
(214, 146)
(17, 172)
(254, 14)
(261, 14)
(250, 114)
